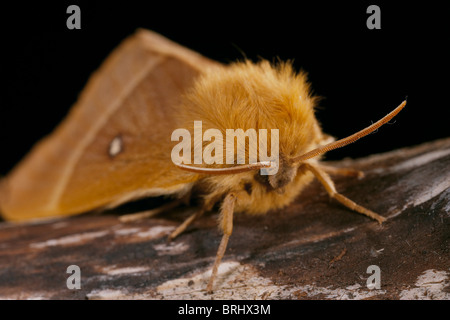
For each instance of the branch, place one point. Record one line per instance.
(313, 249)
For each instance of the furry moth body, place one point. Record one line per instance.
(115, 146)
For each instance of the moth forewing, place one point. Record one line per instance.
(113, 146)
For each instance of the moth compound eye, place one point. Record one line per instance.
(248, 187)
(262, 179)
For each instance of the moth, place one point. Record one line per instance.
(115, 144)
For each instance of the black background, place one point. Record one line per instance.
(362, 74)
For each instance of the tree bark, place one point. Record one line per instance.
(313, 249)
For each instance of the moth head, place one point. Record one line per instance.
(247, 96)
(284, 175)
(288, 165)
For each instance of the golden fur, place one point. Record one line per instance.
(260, 96)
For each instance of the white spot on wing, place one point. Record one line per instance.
(116, 146)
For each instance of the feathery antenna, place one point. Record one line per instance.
(343, 142)
(231, 170)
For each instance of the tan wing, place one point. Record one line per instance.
(130, 100)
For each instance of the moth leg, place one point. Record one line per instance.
(326, 181)
(207, 206)
(180, 229)
(150, 213)
(348, 172)
(226, 224)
